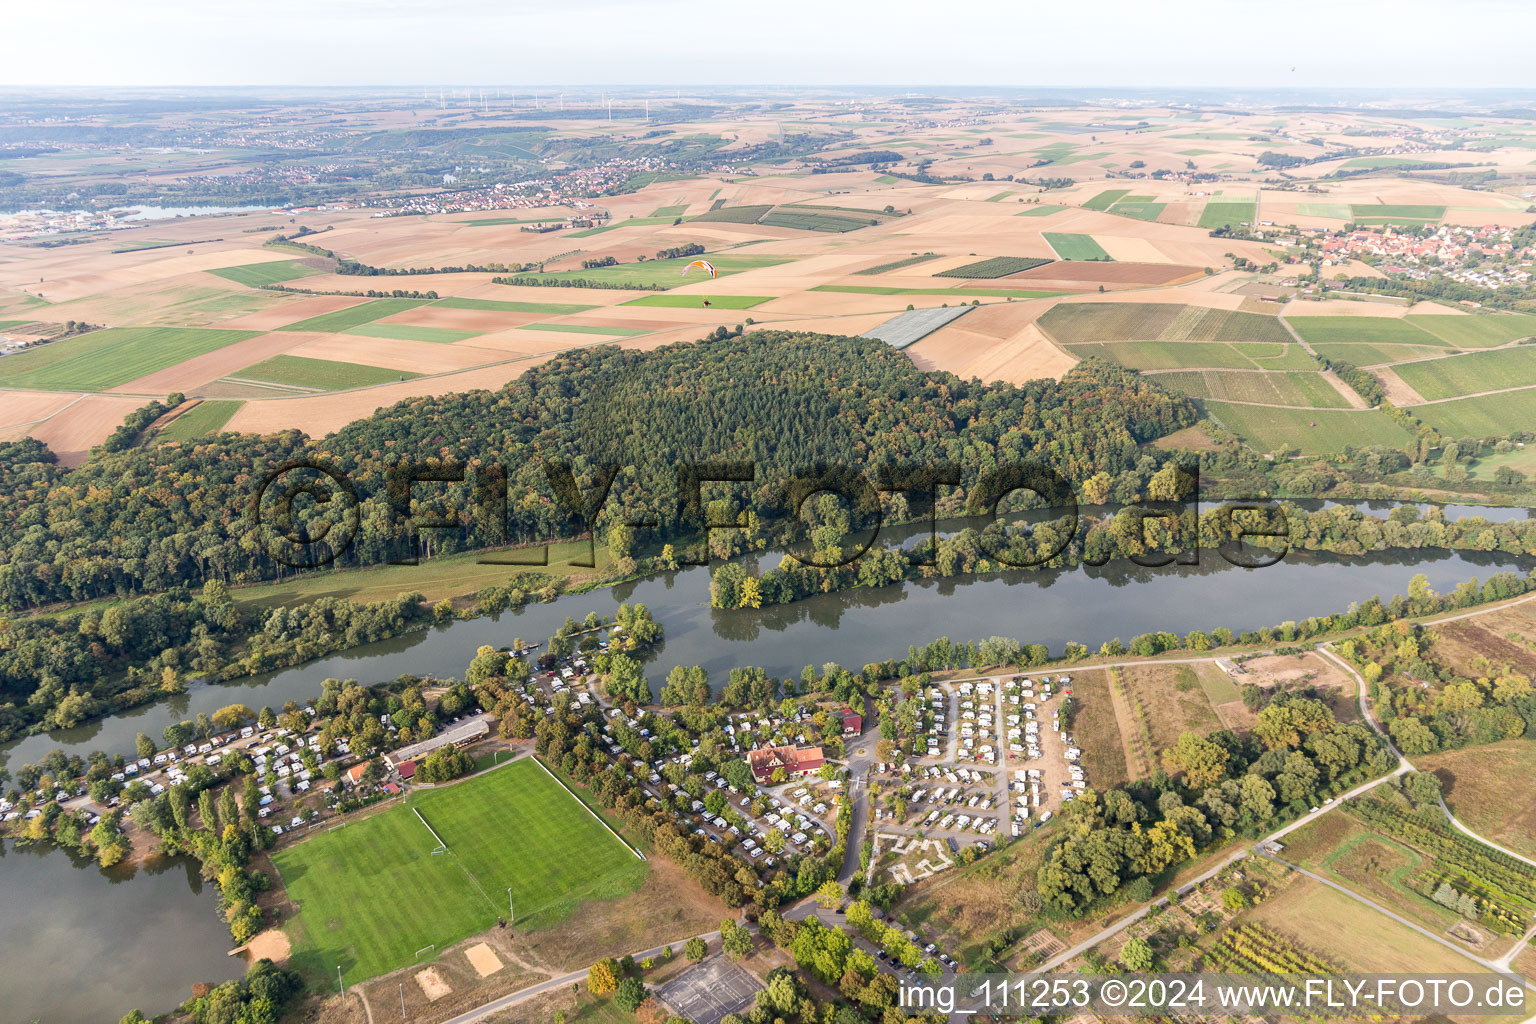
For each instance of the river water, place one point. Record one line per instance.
(59, 915)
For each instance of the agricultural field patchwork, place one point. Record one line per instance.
(612, 332)
(1040, 210)
(1472, 373)
(1174, 355)
(1485, 416)
(1358, 329)
(1277, 388)
(1364, 354)
(1072, 323)
(1485, 331)
(107, 358)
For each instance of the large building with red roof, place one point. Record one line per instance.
(795, 761)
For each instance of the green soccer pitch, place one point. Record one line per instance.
(372, 894)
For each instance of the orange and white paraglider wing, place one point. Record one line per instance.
(704, 265)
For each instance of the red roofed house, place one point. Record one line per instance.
(853, 723)
(355, 773)
(407, 770)
(764, 761)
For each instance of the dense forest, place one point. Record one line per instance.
(146, 519)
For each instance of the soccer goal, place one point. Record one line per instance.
(442, 847)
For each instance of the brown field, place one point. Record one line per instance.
(293, 308)
(1487, 788)
(1172, 701)
(1397, 390)
(1288, 671)
(19, 408)
(1026, 354)
(1081, 271)
(424, 357)
(1108, 758)
(1309, 913)
(73, 431)
(1192, 438)
(1489, 635)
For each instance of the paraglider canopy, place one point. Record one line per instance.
(703, 265)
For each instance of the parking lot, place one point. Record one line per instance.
(709, 991)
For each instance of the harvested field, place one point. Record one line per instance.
(1111, 273)
(500, 306)
(700, 300)
(412, 332)
(20, 408)
(419, 357)
(1313, 432)
(288, 308)
(86, 423)
(1476, 782)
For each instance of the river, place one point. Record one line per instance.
(70, 915)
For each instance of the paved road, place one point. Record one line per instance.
(484, 1010)
(1382, 910)
(861, 754)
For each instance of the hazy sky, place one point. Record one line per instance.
(1358, 43)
